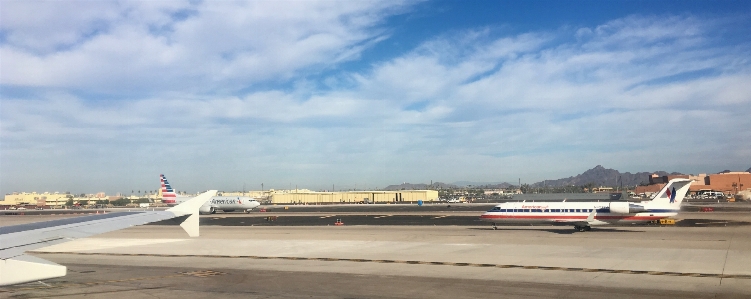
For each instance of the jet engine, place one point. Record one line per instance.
(206, 210)
(626, 208)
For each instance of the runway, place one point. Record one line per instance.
(179, 282)
(460, 218)
(381, 260)
(430, 219)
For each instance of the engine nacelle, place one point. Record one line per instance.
(626, 208)
(206, 210)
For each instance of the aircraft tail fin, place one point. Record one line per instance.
(673, 193)
(190, 208)
(169, 196)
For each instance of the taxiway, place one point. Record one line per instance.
(377, 260)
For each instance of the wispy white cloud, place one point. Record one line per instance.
(638, 93)
(182, 45)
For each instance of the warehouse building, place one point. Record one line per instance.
(35, 199)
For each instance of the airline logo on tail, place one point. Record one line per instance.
(673, 193)
(670, 194)
(168, 194)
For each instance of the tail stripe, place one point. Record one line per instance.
(167, 191)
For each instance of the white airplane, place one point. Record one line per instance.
(16, 267)
(584, 215)
(223, 203)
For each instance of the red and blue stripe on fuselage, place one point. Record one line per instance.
(563, 212)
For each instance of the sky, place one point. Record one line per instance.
(103, 96)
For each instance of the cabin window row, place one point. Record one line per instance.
(496, 209)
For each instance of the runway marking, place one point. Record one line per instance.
(384, 216)
(439, 217)
(328, 216)
(204, 273)
(384, 261)
(409, 262)
(716, 222)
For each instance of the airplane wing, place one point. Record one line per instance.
(578, 222)
(15, 267)
(588, 221)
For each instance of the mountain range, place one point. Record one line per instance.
(597, 176)
(601, 176)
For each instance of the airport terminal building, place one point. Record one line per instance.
(728, 183)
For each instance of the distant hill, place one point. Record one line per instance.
(728, 170)
(495, 186)
(482, 184)
(408, 186)
(597, 176)
(601, 176)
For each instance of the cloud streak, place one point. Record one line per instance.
(182, 45)
(165, 93)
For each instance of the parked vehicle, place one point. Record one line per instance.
(713, 195)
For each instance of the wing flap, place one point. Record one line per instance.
(14, 244)
(25, 268)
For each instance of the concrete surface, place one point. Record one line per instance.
(374, 261)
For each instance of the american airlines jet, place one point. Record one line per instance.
(584, 215)
(223, 203)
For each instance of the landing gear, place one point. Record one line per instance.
(584, 228)
(247, 211)
(494, 227)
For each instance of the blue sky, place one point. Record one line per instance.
(105, 95)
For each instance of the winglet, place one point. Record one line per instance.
(591, 217)
(190, 207)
